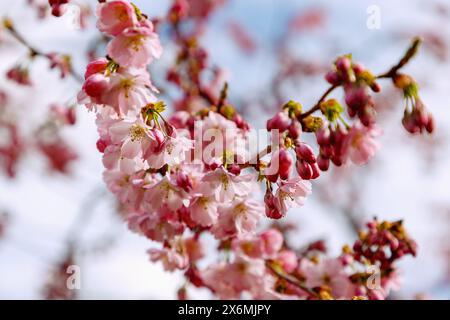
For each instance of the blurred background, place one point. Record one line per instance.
(270, 51)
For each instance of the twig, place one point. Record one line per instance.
(7, 23)
(292, 280)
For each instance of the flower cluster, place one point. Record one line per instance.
(179, 177)
(148, 159)
(264, 267)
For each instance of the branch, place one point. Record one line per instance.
(317, 105)
(292, 280)
(409, 54)
(7, 23)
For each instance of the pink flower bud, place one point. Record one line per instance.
(295, 130)
(323, 136)
(358, 68)
(343, 64)
(304, 170)
(101, 145)
(430, 124)
(285, 164)
(323, 163)
(271, 209)
(97, 66)
(96, 85)
(356, 97)
(332, 77)
(315, 170)
(305, 152)
(234, 169)
(280, 121)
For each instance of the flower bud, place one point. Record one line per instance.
(271, 209)
(97, 66)
(304, 170)
(285, 164)
(305, 152)
(323, 163)
(96, 85)
(333, 78)
(280, 121)
(295, 130)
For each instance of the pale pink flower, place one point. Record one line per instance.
(220, 136)
(170, 150)
(225, 185)
(127, 187)
(165, 193)
(203, 210)
(129, 90)
(292, 192)
(360, 144)
(134, 136)
(330, 273)
(239, 218)
(272, 240)
(159, 226)
(113, 159)
(230, 280)
(171, 258)
(135, 47)
(115, 16)
(288, 260)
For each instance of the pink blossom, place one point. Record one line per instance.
(126, 186)
(229, 281)
(96, 66)
(115, 16)
(171, 258)
(165, 193)
(360, 144)
(292, 192)
(135, 47)
(237, 219)
(129, 90)
(225, 185)
(158, 226)
(272, 240)
(171, 150)
(330, 273)
(288, 260)
(203, 211)
(133, 135)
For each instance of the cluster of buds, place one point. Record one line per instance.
(307, 166)
(357, 82)
(331, 143)
(20, 75)
(287, 123)
(416, 118)
(383, 244)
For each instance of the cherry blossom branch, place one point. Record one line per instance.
(8, 24)
(292, 280)
(410, 53)
(316, 107)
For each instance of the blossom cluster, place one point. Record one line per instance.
(264, 267)
(172, 194)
